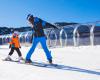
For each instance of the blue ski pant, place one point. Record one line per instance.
(36, 40)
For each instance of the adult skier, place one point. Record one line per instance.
(37, 26)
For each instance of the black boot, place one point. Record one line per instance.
(28, 61)
(50, 61)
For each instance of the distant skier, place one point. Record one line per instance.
(14, 45)
(39, 36)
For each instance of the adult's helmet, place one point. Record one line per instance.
(29, 16)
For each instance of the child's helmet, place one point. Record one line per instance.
(16, 33)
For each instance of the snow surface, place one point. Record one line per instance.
(83, 64)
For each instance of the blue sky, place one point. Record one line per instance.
(13, 12)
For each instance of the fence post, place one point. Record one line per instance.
(52, 31)
(61, 40)
(92, 34)
(76, 34)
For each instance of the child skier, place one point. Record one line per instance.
(39, 36)
(14, 45)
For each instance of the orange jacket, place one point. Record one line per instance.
(15, 41)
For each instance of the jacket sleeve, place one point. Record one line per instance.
(47, 25)
(44, 23)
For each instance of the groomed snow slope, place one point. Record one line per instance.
(83, 63)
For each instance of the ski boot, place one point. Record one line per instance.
(50, 61)
(20, 59)
(28, 61)
(8, 58)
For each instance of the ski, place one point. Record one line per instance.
(39, 64)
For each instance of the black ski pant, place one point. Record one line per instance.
(18, 51)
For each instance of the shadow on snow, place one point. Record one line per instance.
(61, 67)
(64, 67)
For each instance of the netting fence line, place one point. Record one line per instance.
(76, 35)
